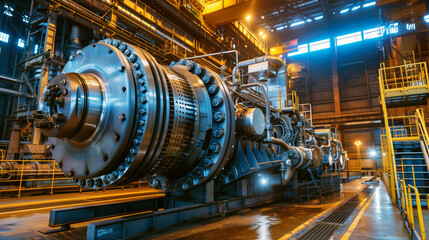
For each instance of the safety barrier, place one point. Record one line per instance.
(408, 210)
(24, 175)
(409, 75)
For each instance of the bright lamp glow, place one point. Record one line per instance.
(264, 36)
(344, 10)
(369, 4)
(264, 181)
(248, 17)
(372, 153)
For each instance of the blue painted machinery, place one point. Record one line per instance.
(115, 115)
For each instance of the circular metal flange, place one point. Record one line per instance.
(217, 147)
(97, 154)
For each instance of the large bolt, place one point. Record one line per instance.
(122, 47)
(139, 132)
(214, 147)
(136, 141)
(82, 183)
(63, 81)
(90, 182)
(200, 172)
(218, 132)
(136, 66)
(206, 79)
(139, 73)
(142, 122)
(133, 58)
(219, 117)
(98, 182)
(213, 89)
(207, 162)
(128, 160)
(143, 100)
(198, 70)
(142, 111)
(217, 101)
(143, 89)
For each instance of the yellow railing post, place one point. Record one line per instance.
(419, 211)
(20, 180)
(390, 154)
(410, 210)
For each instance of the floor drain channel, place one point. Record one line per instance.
(331, 223)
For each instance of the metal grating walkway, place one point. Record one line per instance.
(326, 227)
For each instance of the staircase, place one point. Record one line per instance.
(405, 140)
(411, 167)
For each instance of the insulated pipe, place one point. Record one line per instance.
(268, 125)
(287, 171)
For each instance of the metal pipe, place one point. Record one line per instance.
(268, 125)
(5, 90)
(281, 143)
(10, 79)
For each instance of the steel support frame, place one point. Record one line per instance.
(136, 225)
(49, 46)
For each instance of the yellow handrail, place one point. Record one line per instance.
(407, 208)
(419, 211)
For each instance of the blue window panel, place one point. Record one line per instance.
(349, 38)
(303, 48)
(373, 33)
(4, 37)
(369, 4)
(20, 43)
(319, 45)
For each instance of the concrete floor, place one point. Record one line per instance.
(271, 222)
(380, 220)
(22, 218)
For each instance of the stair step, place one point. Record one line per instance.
(406, 159)
(409, 165)
(417, 179)
(409, 153)
(400, 172)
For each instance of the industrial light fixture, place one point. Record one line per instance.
(264, 36)
(260, 33)
(358, 143)
(373, 153)
(263, 17)
(248, 17)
